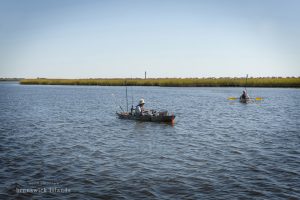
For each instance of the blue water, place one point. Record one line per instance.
(68, 138)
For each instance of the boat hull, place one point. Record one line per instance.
(148, 118)
(247, 100)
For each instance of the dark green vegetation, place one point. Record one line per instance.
(174, 82)
(10, 79)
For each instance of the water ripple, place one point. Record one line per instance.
(69, 137)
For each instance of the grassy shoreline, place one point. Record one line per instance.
(173, 82)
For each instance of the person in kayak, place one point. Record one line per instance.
(139, 109)
(244, 96)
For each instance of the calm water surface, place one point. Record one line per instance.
(68, 137)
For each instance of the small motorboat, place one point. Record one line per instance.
(150, 116)
(140, 114)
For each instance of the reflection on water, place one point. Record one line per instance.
(67, 142)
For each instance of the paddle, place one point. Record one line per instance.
(235, 98)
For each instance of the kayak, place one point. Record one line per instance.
(245, 100)
(154, 117)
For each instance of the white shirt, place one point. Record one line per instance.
(138, 110)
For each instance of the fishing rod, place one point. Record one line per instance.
(121, 108)
(126, 97)
(116, 104)
(246, 83)
(131, 97)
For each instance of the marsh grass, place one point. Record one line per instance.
(173, 82)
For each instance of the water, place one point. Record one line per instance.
(68, 137)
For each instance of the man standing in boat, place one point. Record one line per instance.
(140, 108)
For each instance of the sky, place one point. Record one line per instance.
(166, 38)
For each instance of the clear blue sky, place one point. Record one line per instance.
(168, 38)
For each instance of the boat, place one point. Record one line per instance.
(245, 100)
(147, 115)
(150, 116)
